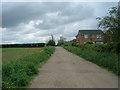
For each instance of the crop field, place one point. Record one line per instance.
(20, 65)
(9, 54)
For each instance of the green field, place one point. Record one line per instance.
(20, 65)
(9, 54)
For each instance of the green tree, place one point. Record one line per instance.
(51, 42)
(61, 41)
(111, 24)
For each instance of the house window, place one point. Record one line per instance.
(99, 37)
(93, 35)
(86, 35)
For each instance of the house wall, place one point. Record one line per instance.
(81, 39)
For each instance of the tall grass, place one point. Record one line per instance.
(108, 60)
(18, 73)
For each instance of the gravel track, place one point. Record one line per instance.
(66, 70)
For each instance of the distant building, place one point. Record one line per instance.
(97, 36)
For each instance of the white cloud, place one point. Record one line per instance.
(36, 22)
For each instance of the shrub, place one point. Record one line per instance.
(89, 42)
(67, 44)
(100, 47)
(108, 47)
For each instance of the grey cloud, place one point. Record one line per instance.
(67, 16)
(56, 31)
(19, 20)
(24, 12)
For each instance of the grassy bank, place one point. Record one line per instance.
(108, 60)
(18, 73)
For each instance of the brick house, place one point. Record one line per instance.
(97, 36)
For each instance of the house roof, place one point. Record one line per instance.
(90, 31)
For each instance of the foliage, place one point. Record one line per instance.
(89, 42)
(67, 44)
(104, 55)
(61, 41)
(18, 73)
(107, 47)
(108, 60)
(23, 45)
(51, 43)
(111, 23)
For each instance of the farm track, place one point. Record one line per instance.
(66, 70)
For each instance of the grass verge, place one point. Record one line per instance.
(18, 73)
(108, 60)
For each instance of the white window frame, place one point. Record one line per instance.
(85, 35)
(98, 36)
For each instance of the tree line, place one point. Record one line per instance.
(22, 45)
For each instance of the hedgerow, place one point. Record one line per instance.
(22, 45)
(98, 54)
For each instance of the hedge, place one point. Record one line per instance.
(22, 45)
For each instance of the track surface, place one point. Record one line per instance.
(66, 70)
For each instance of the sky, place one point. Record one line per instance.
(35, 22)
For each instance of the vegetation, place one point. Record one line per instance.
(51, 43)
(22, 45)
(89, 42)
(111, 24)
(61, 41)
(18, 73)
(104, 55)
(9, 54)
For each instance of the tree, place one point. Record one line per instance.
(61, 41)
(111, 24)
(51, 42)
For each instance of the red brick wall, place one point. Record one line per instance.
(81, 39)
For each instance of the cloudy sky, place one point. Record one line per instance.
(28, 22)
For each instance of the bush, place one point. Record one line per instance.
(18, 73)
(108, 47)
(99, 47)
(67, 44)
(89, 42)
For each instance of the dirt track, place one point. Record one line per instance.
(66, 70)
